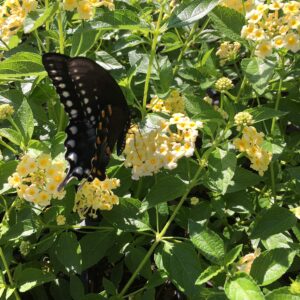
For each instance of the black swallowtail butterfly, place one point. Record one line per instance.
(98, 113)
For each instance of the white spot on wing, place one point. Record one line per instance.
(74, 129)
(86, 100)
(73, 157)
(82, 92)
(69, 103)
(65, 94)
(62, 85)
(74, 112)
(71, 143)
(78, 171)
(89, 110)
(80, 84)
(58, 78)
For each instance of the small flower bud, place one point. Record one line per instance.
(25, 247)
(223, 84)
(6, 110)
(60, 220)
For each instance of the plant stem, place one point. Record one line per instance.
(151, 59)
(159, 236)
(240, 90)
(11, 282)
(276, 105)
(47, 47)
(60, 31)
(8, 147)
(188, 42)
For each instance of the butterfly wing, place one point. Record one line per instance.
(98, 113)
(80, 133)
(104, 106)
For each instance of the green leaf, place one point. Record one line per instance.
(107, 61)
(83, 39)
(222, 21)
(278, 240)
(189, 13)
(232, 255)
(25, 121)
(271, 265)
(258, 72)
(6, 169)
(282, 293)
(166, 189)
(181, 264)
(221, 167)
(133, 258)
(262, 113)
(76, 288)
(294, 172)
(23, 228)
(32, 277)
(208, 274)
(127, 216)
(68, 251)
(207, 241)
(94, 246)
(242, 179)
(12, 135)
(37, 18)
(119, 19)
(242, 286)
(274, 220)
(21, 64)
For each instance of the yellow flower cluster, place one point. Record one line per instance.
(274, 26)
(12, 16)
(223, 84)
(86, 8)
(238, 5)
(250, 143)
(173, 104)
(243, 119)
(37, 179)
(60, 220)
(96, 195)
(228, 52)
(150, 149)
(6, 111)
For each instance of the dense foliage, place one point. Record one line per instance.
(204, 201)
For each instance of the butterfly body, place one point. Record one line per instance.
(98, 114)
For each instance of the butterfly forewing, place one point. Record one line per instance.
(98, 113)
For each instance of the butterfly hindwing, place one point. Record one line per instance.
(98, 113)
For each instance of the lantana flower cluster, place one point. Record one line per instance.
(6, 111)
(250, 143)
(223, 84)
(173, 104)
(36, 179)
(238, 5)
(12, 16)
(86, 8)
(96, 195)
(243, 119)
(228, 52)
(150, 149)
(273, 26)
